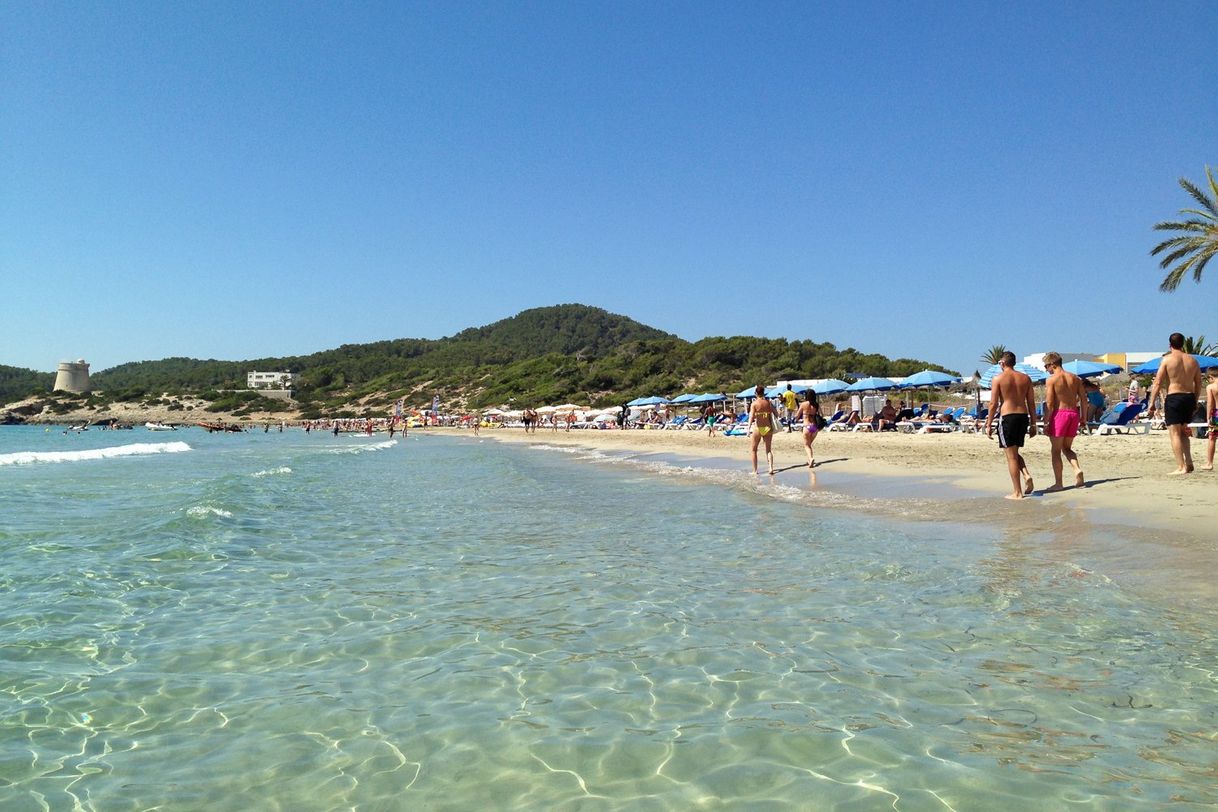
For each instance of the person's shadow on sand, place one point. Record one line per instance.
(1091, 483)
(804, 465)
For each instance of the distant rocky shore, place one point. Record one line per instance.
(48, 411)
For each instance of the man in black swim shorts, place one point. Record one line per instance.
(1179, 407)
(1179, 377)
(1011, 397)
(1013, 430)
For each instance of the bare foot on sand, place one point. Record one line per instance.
(1054, 489)
(1178, 472)
(1013, 496)
(1079, 480)
(1028, 487)
(1207, 467)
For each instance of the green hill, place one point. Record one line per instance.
(17, 383)
(545, 355)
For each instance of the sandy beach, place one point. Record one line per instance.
(1127, 475)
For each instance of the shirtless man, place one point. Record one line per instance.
(1065, 405)
(1011, 396)
(761, 426)
(1211, 417)
(1180, 375)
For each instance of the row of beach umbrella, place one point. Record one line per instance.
(927, 378)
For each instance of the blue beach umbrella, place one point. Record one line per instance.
(1090, 369)
(708, 397)
(928, 377)
(686, 398)
(830, 386)
(650, 401)
(869, 384)
(1152, 367)
(747, 393)
(1037, 374)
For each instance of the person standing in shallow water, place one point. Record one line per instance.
(761, 426)
(1180, 375)
(1011, 392)
(1065, 407)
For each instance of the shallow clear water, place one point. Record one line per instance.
(291, 621)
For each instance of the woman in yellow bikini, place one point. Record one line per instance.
(761, 426)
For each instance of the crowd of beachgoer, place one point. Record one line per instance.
(1070, 405)
(1069, 401)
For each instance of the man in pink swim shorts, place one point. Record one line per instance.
(1065, 403)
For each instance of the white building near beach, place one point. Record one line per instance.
(1037, 359)
(270, 380)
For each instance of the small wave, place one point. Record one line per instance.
(360, 449)
(201, 511)
(283, 469)
(132, 450)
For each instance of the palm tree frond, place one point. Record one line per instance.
(1187, 225)
(1200, 196)
(1196, 240)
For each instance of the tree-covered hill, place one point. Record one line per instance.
(545, 355)
(17, 383)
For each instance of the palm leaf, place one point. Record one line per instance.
(1196, 241)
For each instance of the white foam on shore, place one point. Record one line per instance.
(132, 450)
(283, 469)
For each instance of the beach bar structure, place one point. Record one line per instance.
(72, 376)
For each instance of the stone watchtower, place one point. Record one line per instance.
(73, 376)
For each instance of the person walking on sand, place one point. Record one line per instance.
(1011, 397)
(1065, 405)
(761, 426)
(809, 412)
(1180, 376)
(789, 404)
(1211, 417)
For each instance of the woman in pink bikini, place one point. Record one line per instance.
(809, 413)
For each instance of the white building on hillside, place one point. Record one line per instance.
(270, 380)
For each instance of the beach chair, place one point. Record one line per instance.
(1122, 421)
(738, 427)
(677, 422)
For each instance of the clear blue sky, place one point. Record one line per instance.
(237, 180)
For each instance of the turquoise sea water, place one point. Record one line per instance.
(291, 621)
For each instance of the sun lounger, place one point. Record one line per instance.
(1122, 421)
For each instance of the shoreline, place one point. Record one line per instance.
(1127, 475)
(1132, 522)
